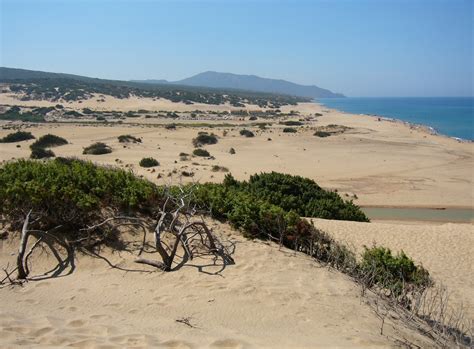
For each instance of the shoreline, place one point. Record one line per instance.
(412, 125)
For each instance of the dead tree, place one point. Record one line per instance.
(176, 218)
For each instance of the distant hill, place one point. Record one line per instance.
(38, 85)
(250, 83)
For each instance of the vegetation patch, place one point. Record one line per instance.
(98, 148)
(149, 162)
(15, 114)
(246, 133)
(322, 134)
(204, 138)
(217, 168)
(48, 141)
(290, 130)
(41, 153)
(390, 272)
(291, 123)
(129, 139)
(201, 152)
(17, 136)
(331, 129)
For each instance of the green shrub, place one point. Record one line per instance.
(98, 148)
(232, 151)
(71, 191)
(201, 152)
(17, 136)
(217, 168)
(48, 141)
(129, 138)
(246, 133)
(292, 123)
(302, 195)
(15, 114)
(204, 138)
(322, 134)
(41, 153)
(393, 273)
(289, 130)
(170, 126)
(149, 162)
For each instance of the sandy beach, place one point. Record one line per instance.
(384, 163)
(270, 298)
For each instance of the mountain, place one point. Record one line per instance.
(251, 83)
(58, 86)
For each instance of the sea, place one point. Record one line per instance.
(450, 116)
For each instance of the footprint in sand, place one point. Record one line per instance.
(176, 345)
(42, 331)
(228, 344)
(76, 323)
(31, 301)
(98, 316)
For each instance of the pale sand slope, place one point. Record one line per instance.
(269, 298)
(384, 163)
(122, 104)
(445, 250)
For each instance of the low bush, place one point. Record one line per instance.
(48, 141)
(70, 191)
(129, 139)
(289, 130)
(217, 168)
(232, 151)
(15, 114)
(204, 139)
(41, 153)
(390, 272)
(98, 148)
(201, 152)
(322, 134)
(301, 195)
(17, 136)
(170, 126)
(149, 162)
(292, 123)
(246, 133)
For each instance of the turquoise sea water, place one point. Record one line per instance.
(451, 116)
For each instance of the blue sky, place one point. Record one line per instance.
(359, 48)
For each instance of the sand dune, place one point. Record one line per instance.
(270, 298)
(444, 249)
